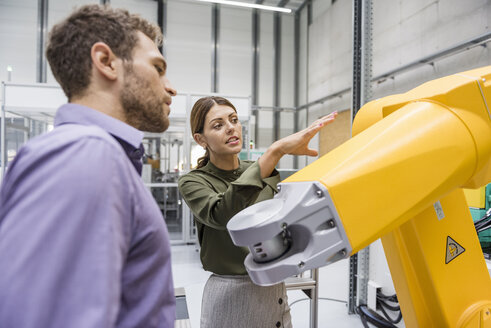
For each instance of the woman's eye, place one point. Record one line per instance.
(217, 126)
(159, 69)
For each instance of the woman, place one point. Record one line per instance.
(216, 190)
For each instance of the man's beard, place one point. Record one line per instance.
(144, 109)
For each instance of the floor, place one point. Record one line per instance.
(333, 292)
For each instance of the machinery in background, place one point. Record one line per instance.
(160, 176)
(479, 201)
(399, 178)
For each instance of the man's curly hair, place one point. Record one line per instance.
(71, 40)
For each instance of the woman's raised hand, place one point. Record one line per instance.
(298, 143)
(295, 144)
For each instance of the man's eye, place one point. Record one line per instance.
(159, 69)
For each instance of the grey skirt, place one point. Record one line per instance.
(235, 301)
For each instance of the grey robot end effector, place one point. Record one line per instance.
(299, 229)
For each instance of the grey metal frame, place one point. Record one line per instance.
(366, 52)
(162, 21)
(357, 60)
(314, 303)
(296, 87)
(459, 47)
(361, 91)
(256, 26)
(42, 25)
(215, 42)
(310, 286)
(276, 74)
(309, 22)
(277, 31)
(189, 234)
(365, 96)
(355, 106)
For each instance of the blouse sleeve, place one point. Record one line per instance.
(215, 209)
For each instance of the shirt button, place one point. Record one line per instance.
(280, 301)
(278, 324)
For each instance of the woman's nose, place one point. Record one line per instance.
(230, 127)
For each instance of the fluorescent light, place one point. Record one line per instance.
(248, 5)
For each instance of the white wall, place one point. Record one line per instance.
(287, 70)
(266, 55)
(403, 31)
(57, 11)
(147, 9)
(286, 83)
(235, 53)
(415, 29)
(18, 26)
(303, 60)
(188, 46)
(329, 59)
(267, 83)
(265, 87)
(330, 48)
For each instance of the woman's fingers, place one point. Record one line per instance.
(312, 152)
(326, 119)
(311, 131)
(320, 123)
(304, 151)
(297, 143)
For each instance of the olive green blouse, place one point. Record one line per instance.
(215, 196)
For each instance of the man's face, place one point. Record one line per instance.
(146, 93)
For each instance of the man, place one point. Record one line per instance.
(82, 242)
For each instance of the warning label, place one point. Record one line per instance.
(439, 210)
(453, 250)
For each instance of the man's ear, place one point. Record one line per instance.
(198, 137)
(104, 60)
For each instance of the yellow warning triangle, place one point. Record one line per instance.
(454, 249)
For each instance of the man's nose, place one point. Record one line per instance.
(168, 87)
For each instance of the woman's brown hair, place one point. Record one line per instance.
(198, 116)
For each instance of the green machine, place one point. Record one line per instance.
(479, 201)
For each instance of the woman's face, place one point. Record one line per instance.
(222, 132)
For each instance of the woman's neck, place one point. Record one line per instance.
(226, 163)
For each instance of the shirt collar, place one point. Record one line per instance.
(210, 167)
(78, 114)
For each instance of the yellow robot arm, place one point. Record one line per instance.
(398, 179)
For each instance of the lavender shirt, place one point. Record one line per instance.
(82, 241)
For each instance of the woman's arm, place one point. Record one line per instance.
(295, 144)
(215, 208)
